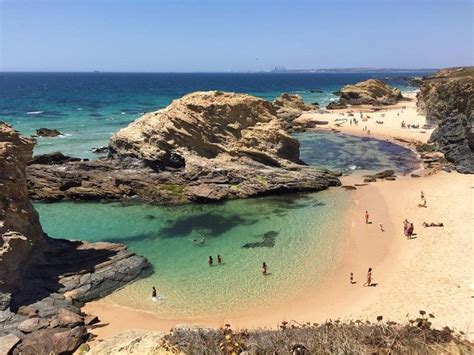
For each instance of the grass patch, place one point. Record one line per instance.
(173, 189)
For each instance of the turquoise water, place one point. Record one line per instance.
(305, 228)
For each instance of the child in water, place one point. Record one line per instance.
(219, 259)
(210, 261)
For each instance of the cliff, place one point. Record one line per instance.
(369, 92)
(206, 146)
(44, 280)
(447, 99)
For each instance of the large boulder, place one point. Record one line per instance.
(47, 132)
(368, 92)
(447, 99)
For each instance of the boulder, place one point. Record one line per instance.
(46, 132)
(33, 324)
(8, 343)
(336, 105)
(53, 341)
(67, 319)
(368, 92)
(290, 107)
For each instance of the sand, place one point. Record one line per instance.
(432, 272)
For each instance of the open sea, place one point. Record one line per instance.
(300, 235)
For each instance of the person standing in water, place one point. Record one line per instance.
(369, 277)
(210, 261)
(153, 294)
(219, 259)
(366, 217)
(264, 268)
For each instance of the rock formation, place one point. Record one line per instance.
(290, 107)
(369, 92)
(44, 280)
(46, 132)
(447, 99)
(206, 146)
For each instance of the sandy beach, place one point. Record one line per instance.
(431, 272)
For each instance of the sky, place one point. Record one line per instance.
(232, 35)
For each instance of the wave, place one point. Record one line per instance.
(34, 112)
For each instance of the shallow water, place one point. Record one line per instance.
(300, 230)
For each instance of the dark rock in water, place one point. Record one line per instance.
(318, 91)
(46, 132)
(149, 217)
(52, 158)
(100, 150)
(447, 98)
(268, 241)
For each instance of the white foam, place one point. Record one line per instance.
(34, 112)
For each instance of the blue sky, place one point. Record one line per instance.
(226, 35)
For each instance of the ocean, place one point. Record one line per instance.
(291, 231)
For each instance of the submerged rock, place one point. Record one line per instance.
(268, 241)
(206, 146)
(47, 132)
(52, 158)
(447, 99)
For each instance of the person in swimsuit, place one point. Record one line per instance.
(219, 259)
(153, 294)
(352, 278)
(366, 217)
(210, 261)
(264, 268)
(369, 278)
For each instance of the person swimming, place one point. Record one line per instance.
(202, 240)
(210, 261)
(264, 268)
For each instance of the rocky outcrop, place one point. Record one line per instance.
(51, 158)
(44, 280)
(206, 146)
(447, 99)
(46, 132)
(290, 107)
(369, 92)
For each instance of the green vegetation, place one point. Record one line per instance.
(173, 189)
(262, 180)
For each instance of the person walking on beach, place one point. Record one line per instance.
(219, 259)
(210, 261)
(264, 268)
(381, 227)
(369, 277)
(352, 278)
(366, 217)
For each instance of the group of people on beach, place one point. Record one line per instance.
(408, 125)
(369, 281)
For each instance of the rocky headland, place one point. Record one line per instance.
(204, 147)
(369, 92)
(447, 99)
(44, 281)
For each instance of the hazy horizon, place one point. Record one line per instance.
(212, 36)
